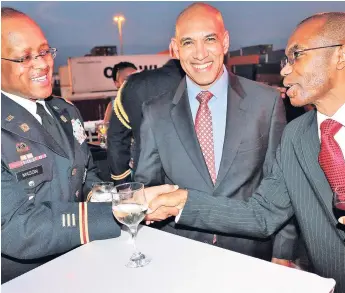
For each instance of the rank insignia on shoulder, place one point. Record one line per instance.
(9, 118)
(21, 147)
(24, 127)
(63, 118)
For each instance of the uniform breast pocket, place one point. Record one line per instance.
(33, 176)
(251, 145)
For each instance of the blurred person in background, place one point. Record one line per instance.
(121, 72)
(124, 128)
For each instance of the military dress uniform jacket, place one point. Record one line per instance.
(124, 126)
(43, 188)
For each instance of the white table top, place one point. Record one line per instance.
(178, 265)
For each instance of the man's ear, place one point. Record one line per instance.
(226, 42)
(173, 45)
(341, 58)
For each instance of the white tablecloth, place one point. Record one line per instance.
(178, 265)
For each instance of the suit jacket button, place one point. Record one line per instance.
(74, 171)
(77, 193)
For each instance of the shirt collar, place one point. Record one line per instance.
(217, 89)
(27, 104)
(339, 116)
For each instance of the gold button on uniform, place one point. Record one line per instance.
(74, 171)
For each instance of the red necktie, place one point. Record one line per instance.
(331, 158)
(204, 132)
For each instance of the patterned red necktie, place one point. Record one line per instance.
(331, 158)
(204, 132)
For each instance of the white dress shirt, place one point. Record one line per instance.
(28, 105)
(339, 116)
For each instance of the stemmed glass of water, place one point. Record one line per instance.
(129, 208)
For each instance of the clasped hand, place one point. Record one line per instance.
(164, 201)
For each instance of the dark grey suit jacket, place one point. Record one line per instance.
(170, 153)
(296, 186)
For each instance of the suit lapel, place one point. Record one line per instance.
(310, 145)
(235, 118)
(25, 125)
(64, 122)
(183, 121)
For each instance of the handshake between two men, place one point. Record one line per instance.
(164, 201)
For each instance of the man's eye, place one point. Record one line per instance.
(186, 43)
(211, 39)
(296, 54)
(25, 58)
(44, 52)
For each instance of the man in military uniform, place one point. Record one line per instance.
(121, 72)
(126, 116)
(46, 167)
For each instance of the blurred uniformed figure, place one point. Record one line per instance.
(46, 167)
(121, 72)
(124, 127)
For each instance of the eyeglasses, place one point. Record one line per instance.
(27, 60)
(297, 53)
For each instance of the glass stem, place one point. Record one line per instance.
(134, 231)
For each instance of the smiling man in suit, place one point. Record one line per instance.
(216, 133)
(308, 176)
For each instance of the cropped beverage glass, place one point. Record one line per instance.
(129, 208)
(101, 192)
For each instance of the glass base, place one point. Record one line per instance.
(138, 260)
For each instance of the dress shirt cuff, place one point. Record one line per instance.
(178, 215)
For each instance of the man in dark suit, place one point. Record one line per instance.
(126, 116)
(308, 176)
(231, 145)
(46, 167)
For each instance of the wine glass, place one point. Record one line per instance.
(102, 129)
(129, 208)
(101, 192)
(339, 202)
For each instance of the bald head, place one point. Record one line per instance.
(199, 10)
(200, 43)
(329, 26)
(8, 12)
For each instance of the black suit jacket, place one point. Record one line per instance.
(139, 88)
(170, 153)
(295, 186)
(43, 213)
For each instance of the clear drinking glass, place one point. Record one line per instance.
(129, 208)
(101, 192)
